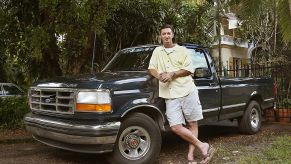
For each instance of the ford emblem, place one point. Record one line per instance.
(48, 100)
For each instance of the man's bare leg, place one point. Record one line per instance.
(187, 135)
(193, 127)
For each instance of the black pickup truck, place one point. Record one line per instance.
(118, 109)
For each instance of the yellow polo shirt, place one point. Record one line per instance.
(178, 59)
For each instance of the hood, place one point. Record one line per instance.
(95, 81)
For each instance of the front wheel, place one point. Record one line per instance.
(139, 141)
(251, 121)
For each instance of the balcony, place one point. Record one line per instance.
(229, 40)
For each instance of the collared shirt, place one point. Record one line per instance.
(179, 58)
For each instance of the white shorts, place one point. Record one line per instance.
(179, 109)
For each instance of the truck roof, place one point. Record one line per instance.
(189, 45)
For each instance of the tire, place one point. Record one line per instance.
(138, 142)
(251, 121)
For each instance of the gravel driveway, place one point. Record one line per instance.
(22, 149)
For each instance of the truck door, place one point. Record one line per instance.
(208, 87)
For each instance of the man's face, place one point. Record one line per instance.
(167, 35)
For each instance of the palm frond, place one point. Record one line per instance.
(285, 19)
(250, 8)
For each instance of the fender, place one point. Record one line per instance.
(255, 95)
(265, 103)
(142, 103)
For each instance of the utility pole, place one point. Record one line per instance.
(218, 6)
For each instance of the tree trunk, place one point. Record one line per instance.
(50, 64)
(219, 37)
(84, 57)
(275, 26)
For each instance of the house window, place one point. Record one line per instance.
(234, 67)
(226, 30)
(237, 67)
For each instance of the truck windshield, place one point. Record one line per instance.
(136, 59)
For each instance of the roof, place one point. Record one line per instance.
(189, 45)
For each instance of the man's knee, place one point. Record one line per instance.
(176, 128)
(193, 124)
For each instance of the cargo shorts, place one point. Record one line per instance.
(179, 109)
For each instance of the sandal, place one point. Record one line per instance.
(210, 152)
(192, 162)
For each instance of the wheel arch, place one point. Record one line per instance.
(255, 96)
(149, 110)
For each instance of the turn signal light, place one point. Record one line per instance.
(93, 107)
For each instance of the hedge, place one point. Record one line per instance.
(12, 111)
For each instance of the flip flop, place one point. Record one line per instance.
(209, 155)
(192, 162)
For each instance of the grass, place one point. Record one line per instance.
(278, 151)
(230, 152)
(263, 148)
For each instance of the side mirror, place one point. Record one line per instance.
(202, 72)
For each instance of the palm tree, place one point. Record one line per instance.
(250, 9)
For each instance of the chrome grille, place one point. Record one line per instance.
(57, 100)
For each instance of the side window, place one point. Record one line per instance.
(11, 90)
(1, 90)
(198, 58)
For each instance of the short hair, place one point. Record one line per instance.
(167, 26)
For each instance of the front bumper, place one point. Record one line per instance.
(72, 135)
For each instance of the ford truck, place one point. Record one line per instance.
(118, 109)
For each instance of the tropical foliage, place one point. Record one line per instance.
(43, 39)
(12, 111)
(46, 38)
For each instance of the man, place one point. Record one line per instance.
(172, 66)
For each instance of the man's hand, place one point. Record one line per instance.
(166, 76)
(169, 76)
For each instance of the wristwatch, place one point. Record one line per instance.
(173, 74)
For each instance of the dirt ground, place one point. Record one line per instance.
(17, 147)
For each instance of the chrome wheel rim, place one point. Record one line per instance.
(255, 118)
(134, 142)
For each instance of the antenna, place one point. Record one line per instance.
(93, 53)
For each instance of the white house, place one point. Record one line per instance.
(235, 52)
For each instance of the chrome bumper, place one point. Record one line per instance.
(71, 135)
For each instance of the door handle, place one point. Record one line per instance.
(212, 84)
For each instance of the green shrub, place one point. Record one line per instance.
(12, 111)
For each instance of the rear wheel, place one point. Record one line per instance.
(251, 121)
(139, 141)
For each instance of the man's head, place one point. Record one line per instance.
(167, 35)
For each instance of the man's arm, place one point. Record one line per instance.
(169, 76)
(154, 73)
(163, 77)
(180, 73)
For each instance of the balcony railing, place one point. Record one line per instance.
(229, 40)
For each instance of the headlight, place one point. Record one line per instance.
(93, 101)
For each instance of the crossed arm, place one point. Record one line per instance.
(168, 76)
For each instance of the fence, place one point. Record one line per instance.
(282, 78)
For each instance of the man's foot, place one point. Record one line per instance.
(204, 148)
(207, 157)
